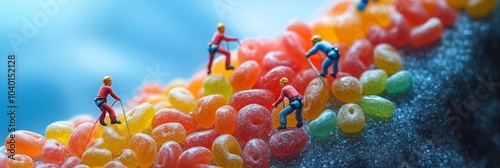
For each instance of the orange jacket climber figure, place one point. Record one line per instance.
(214, 47)
(332, 55)
(296, 103)
(102, 103)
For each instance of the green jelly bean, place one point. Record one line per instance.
(399, 82)
(377, 106)
(218, 84)
(324, 124)
(373, 81)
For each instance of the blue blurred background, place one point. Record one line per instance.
(71, 45)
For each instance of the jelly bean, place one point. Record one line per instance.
(375, 15)
(160, 105)
(54, 151)
(288, 141)
(47, 165)
(60, 131)
(399, 33)
(114, 164)
(25, 142)
(302, 29)
(253, 121)
(305, 76)
(351, 118)
(246, 76)
(324, 26)
(363, 50)
(399, 82)
(458, 4)
(71, 162)
(218, 84)
(262, 97)
(20, 161)
(80, 119)
(195, 155)
(226, 151)
(347, 89)
(225, 120)
(203, 138)
(387, 58)
(219, 65)
(140, 118)
(480, 8)
(267, 44)
(413, 11)
(315, 98)
(255, 154)
(441, 10)
(176, 83)
(293, 44)
(4, 160)
(169, 132)
(377, 106)
(353, 66)
(426, 33)
(148, 131)
(145, 148)
(270, 80)
(250, 49)
(82, 166)
(151, 88)
(339, 7)
(348, 28)
(117, 139)
(378, 35)
(168, 155)
(128, 158)
(196, 82)
(205, 166)
(98, 143)
(278, 58)
(275, 116)
(373, 81)
(95, 157)
(324, 124)
(173, 115)
(182, 99)
(205, 110)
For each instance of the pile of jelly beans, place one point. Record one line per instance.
(226, 119)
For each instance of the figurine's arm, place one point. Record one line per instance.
(280, 99)
(113, 94)
(313, 50)
(229, 38)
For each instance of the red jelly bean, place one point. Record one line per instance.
(302, 29)
(399, 33)
(246, 76)
(4, 162)
(225, 120)
(305, 76)
(168, 155)
(413, 11)
(270, 80)
(253, 121)
(255, 154)
(278, 58)
(203, 138)
(25, 142)
(173, 115)
(47, 165)
(253, 96)
(78, 139)
(352, 66)
(195, 155)
(71, 162)
(378, 35)
(79, 119)
(426, 33)
(250, 49)
(293, 44)
(54, 151)
(362, 50)
(441, 10)
(288, 142)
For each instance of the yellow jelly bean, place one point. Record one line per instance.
(226, 151)
(60, 131)
(480, 8)
(140, 117)
(95, 157)
(387, 57)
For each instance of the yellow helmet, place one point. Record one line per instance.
(284, 80)
(316, 38)
(221, 27)
(106, 79)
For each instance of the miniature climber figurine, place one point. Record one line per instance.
(332, 55)
(296, 103)
(214, 47)
(101, 102)
(362, 5)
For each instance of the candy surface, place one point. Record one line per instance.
(373, 81)
(226, 151)
(399, 82)
(287, 142)
(351, 118)
(377, 106)
(324, 124)
(253, 121)
(255, 154)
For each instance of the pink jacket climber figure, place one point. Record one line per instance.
(296, 103)
(214, 47)
(102, 103)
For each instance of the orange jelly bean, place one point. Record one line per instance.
(315, 98)
(195, 155)
(21, 161)
(245, 76)
(25, 142)
(347, 89)
(169, 132)
(173, 115)
(226, 151)
(225, 119)
(426, 33)
(145, 148)
(205, 110)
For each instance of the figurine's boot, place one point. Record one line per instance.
(299, 124)
(230, 67)
(208, 72)
(116, 121)
(281, 127)
(103, 123)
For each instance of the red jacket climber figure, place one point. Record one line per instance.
(214, 47)
(332, 55)
(296, 103)
(102, 103)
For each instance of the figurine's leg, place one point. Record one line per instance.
(228, 57)
(211, 59)
(325, 66)
(110, 110)
(298, 112)
(102, 116)
(285, 112)
(335, 65)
